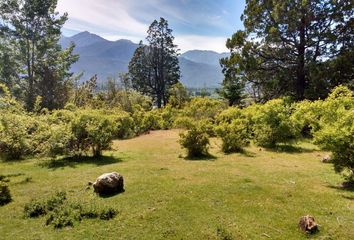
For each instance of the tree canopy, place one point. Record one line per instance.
(299, 48)
(154, 67)
(31, 29)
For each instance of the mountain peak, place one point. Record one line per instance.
(108, 58)
(86, 34)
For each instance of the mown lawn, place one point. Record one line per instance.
(259, 194)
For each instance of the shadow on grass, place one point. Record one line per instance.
(290, 149)
(244, 152)
(345, 186)
(207, 157)
(109, 195)
(74, 161)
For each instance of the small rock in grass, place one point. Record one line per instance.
(109, 183)
(326, 159)
(307, 224)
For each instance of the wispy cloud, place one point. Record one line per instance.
(191, 42)
(197, 24)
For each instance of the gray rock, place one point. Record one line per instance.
(307, 224)
(109, 183)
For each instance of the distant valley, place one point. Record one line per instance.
(108, 58)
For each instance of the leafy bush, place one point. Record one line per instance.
(338, 137)
(151, 121)
(108, 214)
(336, 130)
(229, 114)
(5, 196)
(55, 201)
(234, 136)
(271, 123)
(15, 139)
(196, 141)
(8, 102)
(35, 209)
(308, 114)
(183, 122)
(124, 125)
(62, 217)
(203, 108)
(167, 117)
(178, 95)
(62, 213)
(52, 139)
(207, 126)
(93, 129)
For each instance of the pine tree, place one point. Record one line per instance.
(287, 46)
(154, 67)
(36, 30)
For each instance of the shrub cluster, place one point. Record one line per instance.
(62, 213)
(77, 131)
(196, 141)
(330, 122)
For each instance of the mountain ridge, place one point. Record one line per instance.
(199, 68)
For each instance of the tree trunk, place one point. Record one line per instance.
(30, 93)
(301, 76)
(159, 100)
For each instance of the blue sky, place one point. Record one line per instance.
(196, 24)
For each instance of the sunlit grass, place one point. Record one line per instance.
(259, 194)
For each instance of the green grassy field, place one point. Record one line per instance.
(259, 194)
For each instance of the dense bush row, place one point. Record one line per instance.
(329, 122)
(77, 131)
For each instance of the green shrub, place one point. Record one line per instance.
(336, 130)
(124, 125)
(15, 139)
(93, 129)
(183, 122)
(62, 213)
(168, 115)
(308, 114)
(55, 201)
(203, 108)
(8, 103)
(52, 139)
(178, 95)
(62, 217)
(138, 117)
(234, 136)
(5, 196)
(196, 141)
(338, 137)
(151, 121)
(89, 213)
(229, 114)
(207, 126)
(35, 209)
(108, 214)
(271, 123)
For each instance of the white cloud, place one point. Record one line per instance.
(90, 14)
(191, 42)
(117, 19)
